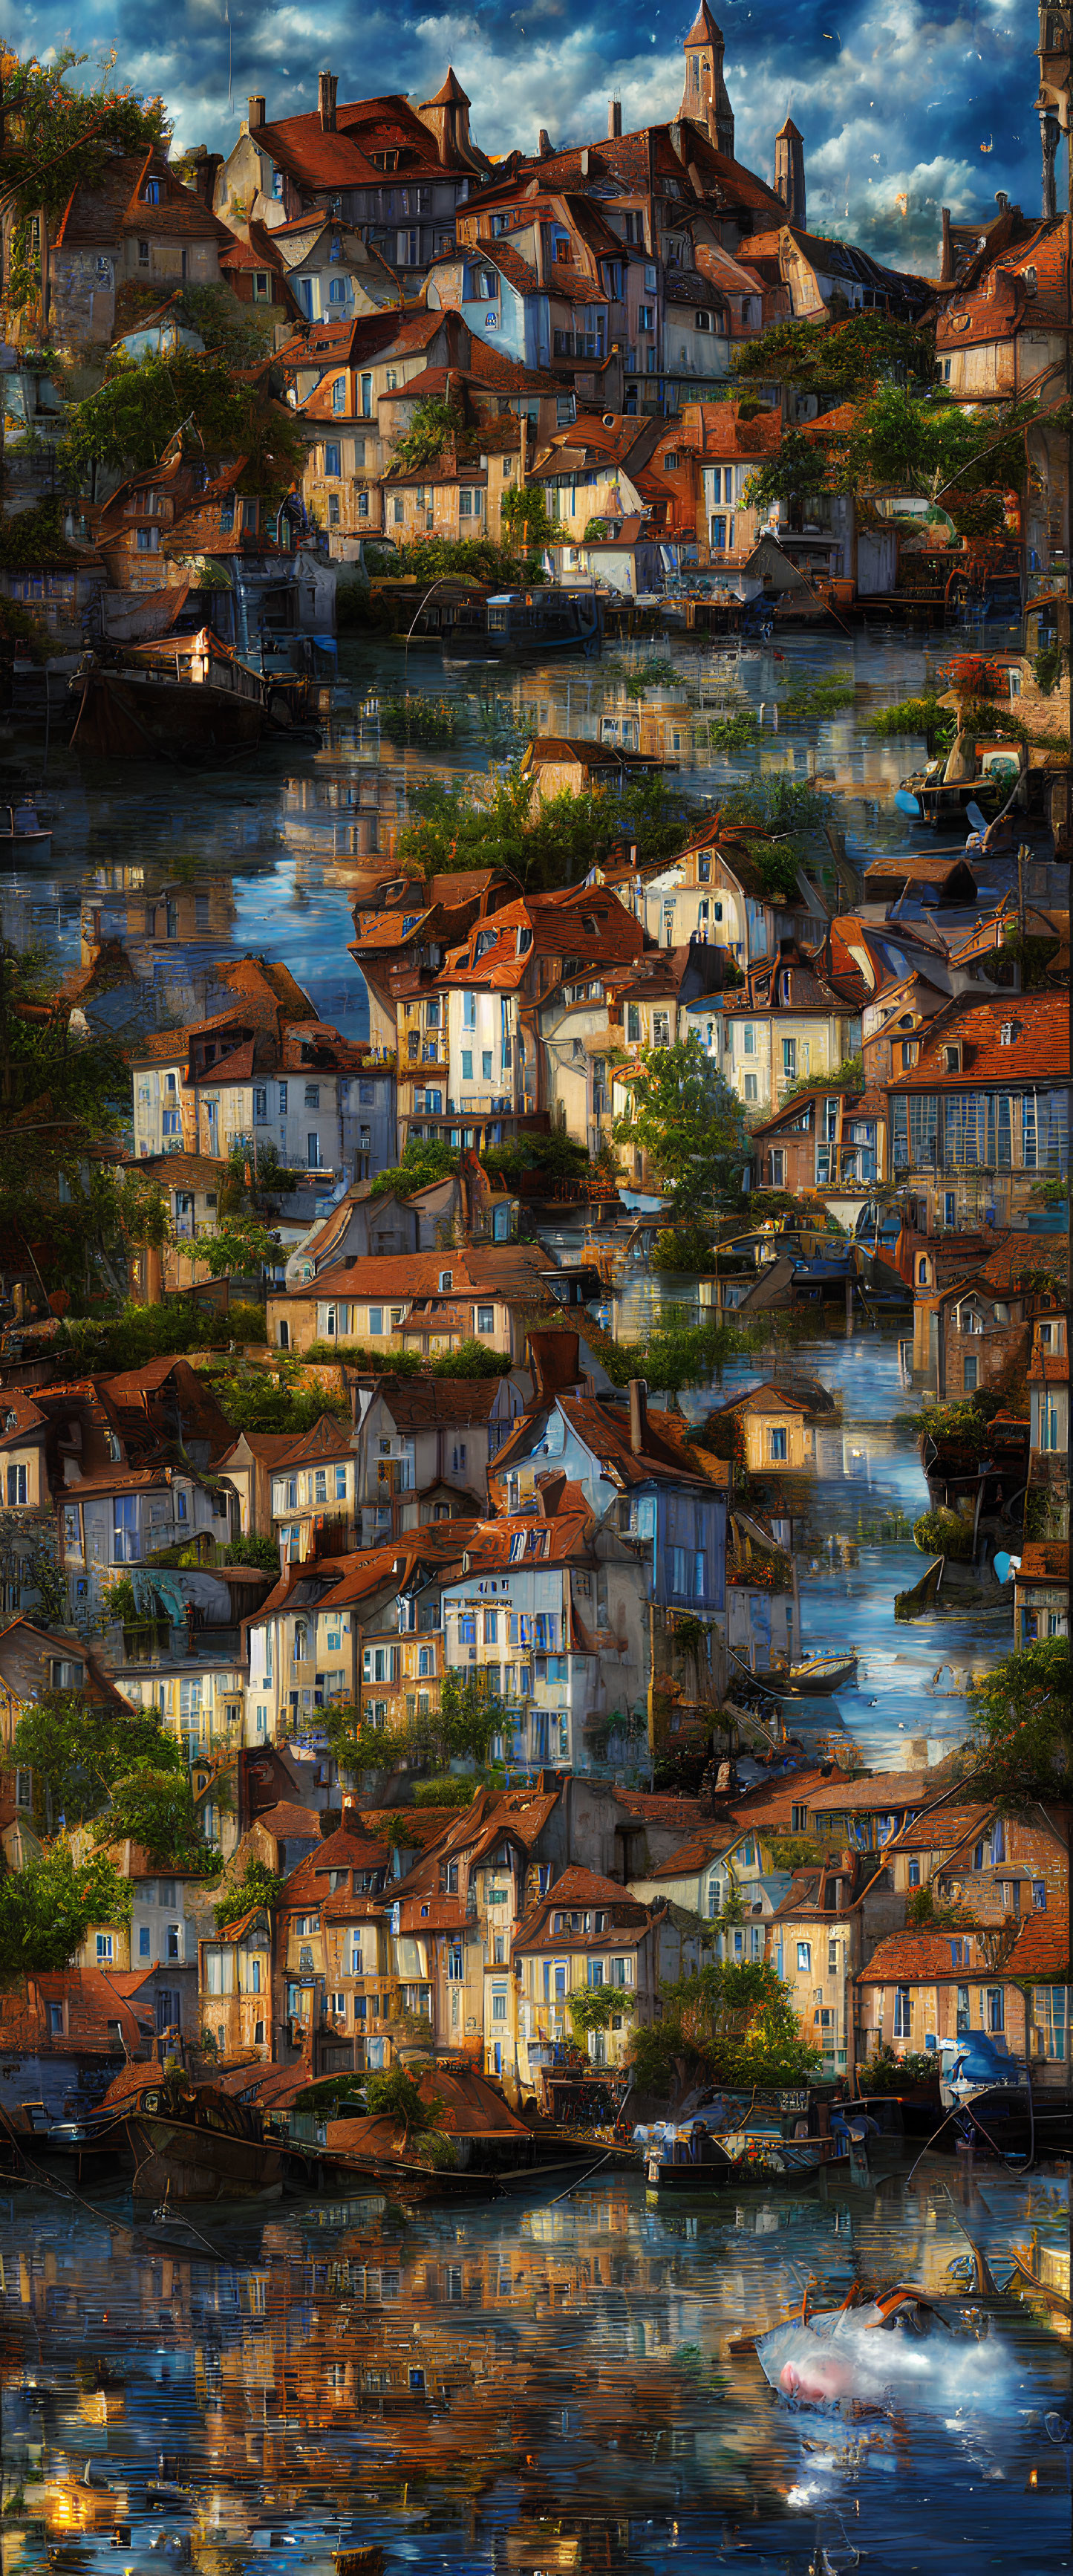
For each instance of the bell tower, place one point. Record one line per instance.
(704, 97)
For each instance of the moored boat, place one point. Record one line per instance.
(819, 1675)
(730, 2142)
(21, 835)
(132, 712)
(192, 2143)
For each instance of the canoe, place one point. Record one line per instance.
(822, 1674)
(198, 2145)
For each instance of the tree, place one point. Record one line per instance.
(424, 1159)
(460, 1729)
(154, 1806)
(396, 2096)
(553, 842)
(253, 1549)
(29, 1557)
(77, 1749)
(835, 357)
(135, 414)
(596, 2007)
(472, 1359)
(47, 1908)
(58, 138)
(727, 2025)
(688, 1124)
(257, 1886)
(241, 1244)
(525, 517)
(435, 424)
(1021, 1747)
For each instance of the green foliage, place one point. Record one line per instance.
(29, 1556)
(525, 518)
(241, 1244)
(472, 1359)
(944, 1533)
(794, 1851)
(460, 1729)
(47, 1909)
(886, 2073)
(379, 1359)
(1035, 958)
(257, 1886)
(452, 1790)
(557, 1154)
(781, 803)
(78, 1750)
(923, 1914)
(468, 558)
(683, 1247)
(57, 1096)
(960, 1425)
(396, 2096)
(419, 719)
(916, 715)
(59, 137)
(253, 1550)
(397, 1832)
(435, 424)
(135, 1334)
(154, 1806)
(812, 701)
(653, 671)
(834, 358)
(849, 1077)
(260, 1402)
(1047, 668)
(676, 1357)
(33, 540)
(727, 733)
(546, 844)
(136, 412)
(728, 2025)
(689, 1125)
(596, 2007)
(1022, 1741)
(424, 1159)
(235, 332)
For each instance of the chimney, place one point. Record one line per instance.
(677, 141)
(638, 1414)
(946, 265)
(543, 144)
(614, 118)
(1002, 200)
(327, 86)
(256, 108)
(585, 162)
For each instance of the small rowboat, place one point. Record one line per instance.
(821, 1675)
(20, 832)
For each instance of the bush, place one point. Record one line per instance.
(257, 1886)
(683, 1247)
(253, 1550)
(944, 1533)
(472, 1359)
(452, 1790)
(886, 2073)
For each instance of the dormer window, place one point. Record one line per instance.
(1031, 281)
(1005, 1035)
(446, 1281)
(151, 192)
(952, 1055)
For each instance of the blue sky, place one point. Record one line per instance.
(904, 107)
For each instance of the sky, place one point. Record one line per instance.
(904, 106)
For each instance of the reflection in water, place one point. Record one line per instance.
(550, 2391)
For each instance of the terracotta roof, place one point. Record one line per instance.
(1044, 1560)
(505, 1270)
(344, 1849)
(290, 1823)
(328, 1438)
(1038, 1049)
(426, 1403)
(881, 1792)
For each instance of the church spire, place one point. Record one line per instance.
(704, 97)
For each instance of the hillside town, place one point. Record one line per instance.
(534, 1368)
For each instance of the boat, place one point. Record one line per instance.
(727, 2142)
(523, 623)
(21, 835)
(817, 1677)
(998, 774)
(192, 2143)
(129, 709)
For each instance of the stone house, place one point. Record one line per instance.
(235, 1986)
(1041, 1592)
(923, 1986)
(333, 273)
(428, 1302)
(134, 232)
(823, 1141)
(393, 171)
(585, 1932)
(1048, 1389)
(334, 1972)
(424, 1446)
(780, 1425)
(298, 1488)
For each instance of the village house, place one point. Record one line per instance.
(393, 172)
(423, 1449)
(121, 239)
(427, 1302)
(586, 1932)
(782, 1425)
(65, 1455)
(920, 1987)
(333, 273)
(785, 1021)
(1002, 329)
(973, 1333)
(359, 365)
(814, 1944)
(334, 1971)
(1041, 1592)
(715, 891)
(363, 1628)
(64, 2034)
(235, 1987)
(263, 1071)
(298, 1488)
(981, 1115)
(823, 1140)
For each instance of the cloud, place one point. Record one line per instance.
(896, 107)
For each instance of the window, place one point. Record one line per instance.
(969, 1369)
(339, 394)
(1039, 1896)
(105, 1949)
(778, 1168)
(486, 1319)
(126, 1543)
(995, 2008)
(914, 1873)
(1050, 2012)
(16, 1484)
(789, 1058)
(331, 456)
(903, 2012)
(777, 1445)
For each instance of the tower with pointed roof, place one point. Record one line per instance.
(447, 118)
(790, 170)
(704, 97)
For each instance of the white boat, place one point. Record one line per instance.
(21, 835)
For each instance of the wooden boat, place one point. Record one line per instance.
(818, 1676)
(131, 713)
(192, 2143)
(398, 2177)
(21, 835)
(928, 797)
(709, 2153)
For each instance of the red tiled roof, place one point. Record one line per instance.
(1037, 1051)
(1044, 1560)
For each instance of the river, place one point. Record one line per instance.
(549, 2390)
